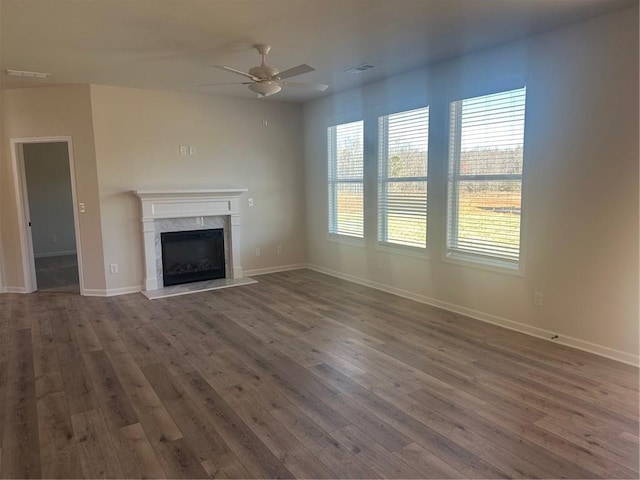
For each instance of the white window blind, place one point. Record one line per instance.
(346, 174)
(402, 178)
(485, 176)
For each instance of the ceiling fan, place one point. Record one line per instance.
(267, 80)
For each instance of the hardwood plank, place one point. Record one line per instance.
(46, 363)
(607, 449)
(337, 458)
(199, 433)
(225, 466)
(114, 402)
(6, 306)
(4, 390)
(137, 456)
(425, 462)
(431, 433)
(158, 424)
(255, 456)
(75, 377)
(82, 329)
(59, 455)
(373, 454)
(293, 454)
(97, 455)
(20, 443)
(425, 403)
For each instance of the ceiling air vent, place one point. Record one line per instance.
(361, 68)
(24, 73)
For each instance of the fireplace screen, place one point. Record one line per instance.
(192, 256)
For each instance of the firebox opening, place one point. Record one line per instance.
(192, 256)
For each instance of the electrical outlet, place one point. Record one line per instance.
(113, 268)
(279, 249)
(54, 239)
(250, 201)
(537, 299)
(81, 207)
(258, 252)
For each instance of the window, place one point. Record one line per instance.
(485, 177)
(346, 161)
(402, 178)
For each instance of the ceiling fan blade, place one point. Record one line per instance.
(308, 86)
(228, 83)
(293, 71)
(238, 72)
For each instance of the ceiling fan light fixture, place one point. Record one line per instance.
(265, 88)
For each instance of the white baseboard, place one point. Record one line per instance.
(55, 254)
(111, 292)
(544, 334)
(14, 290)
(281, 268)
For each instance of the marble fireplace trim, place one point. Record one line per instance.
(176, 210)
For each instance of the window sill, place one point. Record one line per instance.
(406, 250)
(346, 240)
(483, 263)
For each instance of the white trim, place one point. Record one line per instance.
(358, 242)
(112, 292)
(544, 334)
(15, 290)
(55, 254)
(26, 244)
(483, 263)
(281, 268)
(406, 250)
(197, 287)
(22, 202)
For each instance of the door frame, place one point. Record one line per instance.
(22, 202)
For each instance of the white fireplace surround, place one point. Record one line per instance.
(192, 205)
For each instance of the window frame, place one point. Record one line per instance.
(384, 181)
(461, 256)
(333, 181)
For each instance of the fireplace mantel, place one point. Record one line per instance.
(188, 204)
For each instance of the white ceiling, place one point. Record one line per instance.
(172, 44)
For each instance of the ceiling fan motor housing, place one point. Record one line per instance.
(264, 71)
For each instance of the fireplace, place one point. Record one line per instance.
(169, 211)
(192, 256)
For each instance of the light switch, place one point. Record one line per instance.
(192, 150)
(184, 149)
(251, 202)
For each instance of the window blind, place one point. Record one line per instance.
(485, 175)
(402, 178)
(346, 175)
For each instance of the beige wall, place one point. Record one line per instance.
(581, 185)
(2, 205)
(48, 180)
(138, 134)
(44, 112)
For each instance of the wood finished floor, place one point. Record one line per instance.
(299, 375)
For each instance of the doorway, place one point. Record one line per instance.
(45, 183)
